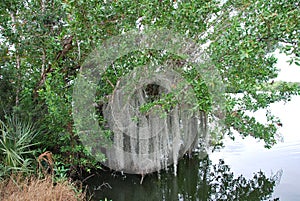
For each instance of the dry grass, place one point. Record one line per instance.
(29, 189)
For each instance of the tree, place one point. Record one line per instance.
(243, 53)
(40, 68)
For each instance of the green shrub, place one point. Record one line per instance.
(16, 153)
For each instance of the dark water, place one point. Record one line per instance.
(243, 170)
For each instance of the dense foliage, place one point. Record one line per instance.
(44, 43)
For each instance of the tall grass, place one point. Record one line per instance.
(17, 188)
(15, 145)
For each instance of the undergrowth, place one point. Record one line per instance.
(18, 188)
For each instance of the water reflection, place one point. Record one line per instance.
(198, 179)
(248, 155)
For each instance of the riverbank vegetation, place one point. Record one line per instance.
(43, 45)
(25, 177)
(31, 188)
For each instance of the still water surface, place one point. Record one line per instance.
(243, 170)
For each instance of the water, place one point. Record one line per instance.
(243, 170)
(248, 155)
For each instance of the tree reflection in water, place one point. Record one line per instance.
(197, 179)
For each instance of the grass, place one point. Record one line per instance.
(18, 188)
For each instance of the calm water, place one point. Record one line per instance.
(243, 170)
